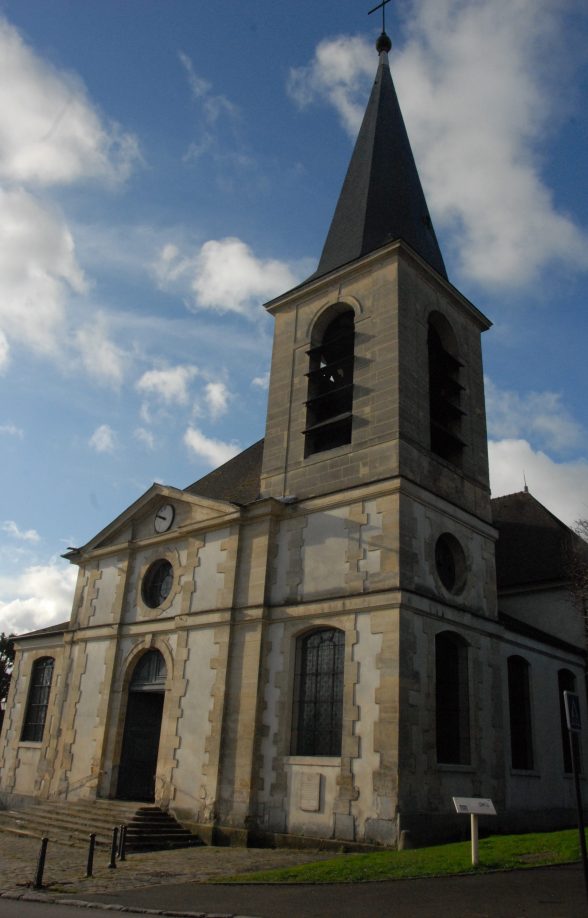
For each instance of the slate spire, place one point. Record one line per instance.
(382, 198)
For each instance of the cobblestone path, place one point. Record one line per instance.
(65, 867)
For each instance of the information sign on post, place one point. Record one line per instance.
(475, 806)
(574, 722)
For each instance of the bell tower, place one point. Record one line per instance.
(376, 367)
(376, 425)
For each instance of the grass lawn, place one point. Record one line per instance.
(498, 852)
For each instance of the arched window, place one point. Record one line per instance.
(452, 699)
(566, 682)
(38, 700)
(318, 693)
(330, 386)
(445, 391)
(519, 704)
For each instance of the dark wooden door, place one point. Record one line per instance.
(136, 778)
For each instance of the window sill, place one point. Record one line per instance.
(30, 744)
(524, 773)
(323, 761)
(449, 766)
(322, 454)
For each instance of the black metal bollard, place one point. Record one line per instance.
(122, 842)
(113, 848)
(90, 864)
(38, 884)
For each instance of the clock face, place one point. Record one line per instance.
(164, 518)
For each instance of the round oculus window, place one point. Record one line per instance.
(157, 583)
(450, 562)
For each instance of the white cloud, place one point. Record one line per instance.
(214, 452)
(49, 131)
(11, 430)
(340, 71)
(145, 413)
(50, 134)
(478, 112)
(261, 382)
(217, 398)
(171, 385)
(224, 275)
(103, 440)
(213, 105)
(476, 85)
(102, 359)
(198, 149)
(25, 535)
(4, 352)
(561, 486)
(145, 437)
(540, 416)
(40, 596)
(38, 270)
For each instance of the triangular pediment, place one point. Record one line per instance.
(161, 512)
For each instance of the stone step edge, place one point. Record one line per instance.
(83, 828)
(70, 818)
(38, 813)
(69, 841)
(71, 832)
(59, 820)
(134, 833)
(95, 804)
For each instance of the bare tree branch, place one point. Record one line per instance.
(577, 567)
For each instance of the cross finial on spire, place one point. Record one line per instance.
(381, 6)
(383, 43)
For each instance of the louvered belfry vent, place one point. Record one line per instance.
(445, 397)
(329, 407)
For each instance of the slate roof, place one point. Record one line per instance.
(50, 629)
(532, 545)
(382, 198)
(236, 480)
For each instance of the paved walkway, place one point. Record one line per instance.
(66, 866)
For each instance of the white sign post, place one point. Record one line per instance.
(574, 722)
(475, 806)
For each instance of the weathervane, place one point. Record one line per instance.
(381, 6)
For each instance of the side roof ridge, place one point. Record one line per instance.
(237, 480)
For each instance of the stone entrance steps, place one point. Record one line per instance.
(148, 827)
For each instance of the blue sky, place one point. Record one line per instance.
(166, 166)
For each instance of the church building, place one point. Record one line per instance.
(338, 630)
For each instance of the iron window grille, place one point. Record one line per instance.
(318, 707)
(38, 700)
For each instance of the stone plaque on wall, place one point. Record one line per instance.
(309, 792)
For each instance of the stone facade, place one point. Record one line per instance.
(344, 539)
(381, 541)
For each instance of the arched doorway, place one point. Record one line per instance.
(138, 762)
